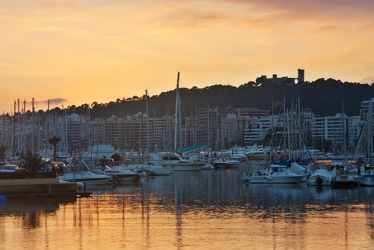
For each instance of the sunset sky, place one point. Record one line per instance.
(83, 51)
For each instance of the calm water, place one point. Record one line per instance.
(200, 210)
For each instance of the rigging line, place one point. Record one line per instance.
(273, 135)
(149, 102)
(303, 139)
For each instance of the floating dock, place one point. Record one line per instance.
(39, 187)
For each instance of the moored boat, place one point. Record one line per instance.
(233, 163)
(276, 174)
(342, 178)
(344, 181)
(208, 166)
(174, 161)
(152, 168)
(366, 179)
(220, 163)
(257, 155)
(320, 177)
(122, 176)
(87, 177)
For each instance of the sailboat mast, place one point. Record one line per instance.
(147, 132)
(300, 129)
(176, 114)
(32, 127)
(180, 121)
(272, 124)
(369, 125)
(344, 128)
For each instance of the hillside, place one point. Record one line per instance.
(323, 97)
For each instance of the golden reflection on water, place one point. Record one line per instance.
(247, 217)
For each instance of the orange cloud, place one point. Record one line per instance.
(368, 80)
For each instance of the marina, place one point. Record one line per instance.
(186, 125)
(194, 210)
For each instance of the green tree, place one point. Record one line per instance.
(32, 162)
(54, 141)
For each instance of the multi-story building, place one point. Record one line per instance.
(339, 129)
(256, 128)
(218, 128)
(136, 132)
(221, 128)
(329, 128)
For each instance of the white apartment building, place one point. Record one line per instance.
(218, 128)
(256, 128)
(336, 129)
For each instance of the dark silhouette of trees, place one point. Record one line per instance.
(325, 97)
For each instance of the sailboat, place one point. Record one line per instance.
(151, 167)
(279, 172)
(367, 177)
(172, 159)
(284, 171)
(275, 174)
(343, 176)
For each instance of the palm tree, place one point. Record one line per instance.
(32, 162)
(54, 140)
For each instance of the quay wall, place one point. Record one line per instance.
(48, 186)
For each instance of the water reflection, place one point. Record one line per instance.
(212, 195)
(30, 208)
(223, 189)
(199, 210)
(21, 205)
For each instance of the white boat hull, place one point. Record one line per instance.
(186, 166)
(161, 171)
(324, 183)
(124, 179)
(86, 177)
(101, 182)
(208, 166)
(175, 163)
(275, 179)
(366, 180)
(325, 177)
(153, 169)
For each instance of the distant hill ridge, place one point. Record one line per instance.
(325, 97)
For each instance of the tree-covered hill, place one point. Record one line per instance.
(325, 97)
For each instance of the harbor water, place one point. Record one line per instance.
(194, 210)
